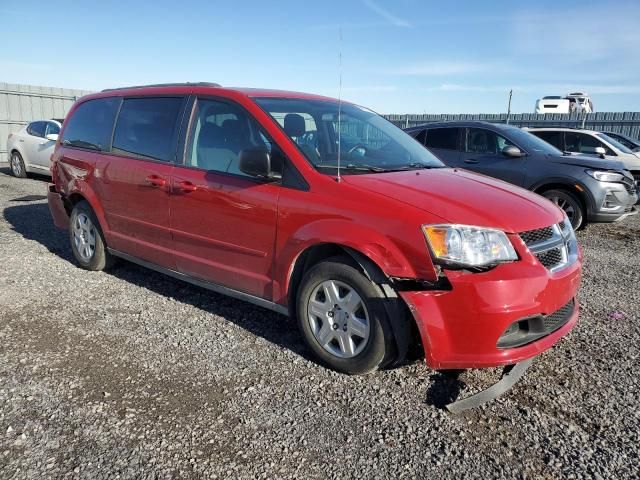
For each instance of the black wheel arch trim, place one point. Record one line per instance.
(569, 184)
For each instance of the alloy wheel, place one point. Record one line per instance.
(84, 237)
(564, 205)
(16, 165)
(338, 319)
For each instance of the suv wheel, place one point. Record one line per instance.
(343, 319)
(568, 202)
(87, 241)
(17, 165)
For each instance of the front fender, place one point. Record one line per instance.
(378, 248)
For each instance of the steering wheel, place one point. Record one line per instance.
(360, 147)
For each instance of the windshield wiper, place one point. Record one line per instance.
(414, 166)
(371, 168)
(352, 166)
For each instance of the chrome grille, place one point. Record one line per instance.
(550, 258)
(536, 236)
(551, 245)
(630, 185)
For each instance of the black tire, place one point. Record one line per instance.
(99, 258)
(379, 347)
(16, 165)
(571, 205)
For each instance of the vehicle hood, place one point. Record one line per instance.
(588, 161)
(463, 197)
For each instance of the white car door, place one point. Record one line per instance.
(44, 148)
(33, 143)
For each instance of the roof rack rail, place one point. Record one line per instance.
(183, 84)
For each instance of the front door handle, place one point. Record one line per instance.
(186, 186)
(156, 181)
(470, 160)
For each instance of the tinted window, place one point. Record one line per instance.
(91, 124)
(37, 129)
(614, 141)
(220, 132)
(148, 127)
(583, 143)
(554, 138)
(484, 141)
(419, 135)
(52, 129)
(442, 138)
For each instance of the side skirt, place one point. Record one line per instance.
(214, 287)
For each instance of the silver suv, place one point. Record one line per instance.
(589, 142)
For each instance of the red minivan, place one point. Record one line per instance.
(321, 210)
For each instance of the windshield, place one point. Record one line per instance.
(531, 143)
(614, 142)
(366, 143)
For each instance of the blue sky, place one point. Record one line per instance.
(405, 56)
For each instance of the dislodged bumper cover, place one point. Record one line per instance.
(460, 328)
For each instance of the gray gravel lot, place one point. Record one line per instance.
(130, 374)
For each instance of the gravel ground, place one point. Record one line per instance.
(130, 374)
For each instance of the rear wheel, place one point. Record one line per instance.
(17, 165)
(571, 205)
(342, 317)
(87, 241)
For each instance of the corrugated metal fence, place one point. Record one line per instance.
(627, 123)
(21, 104)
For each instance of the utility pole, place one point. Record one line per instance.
(509, 107)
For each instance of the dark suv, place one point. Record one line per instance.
(588, 189)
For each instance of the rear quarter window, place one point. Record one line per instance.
(91, 124)
(445, 138)
(148, 127)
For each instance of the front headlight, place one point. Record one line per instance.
(465, 246)
(605, 176)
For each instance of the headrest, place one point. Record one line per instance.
(294, 125)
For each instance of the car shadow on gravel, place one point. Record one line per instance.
(32, 176)
(33, 221)
(273, 327)
(445, 387)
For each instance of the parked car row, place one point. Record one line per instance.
(552, 162)
(324, 211)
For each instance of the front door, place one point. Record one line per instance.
(223, 221)
(482, 153)
(35, 144)
(136, 178)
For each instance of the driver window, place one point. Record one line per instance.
(219, 132)
(480, 140)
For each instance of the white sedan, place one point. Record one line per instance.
(30, 148)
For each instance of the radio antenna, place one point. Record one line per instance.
(339, 96)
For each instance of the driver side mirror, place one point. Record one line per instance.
(600, 151)
(512, 151)
(255, 162)
(52, 137)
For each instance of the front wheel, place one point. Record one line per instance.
(342, 317)
(17, 165)
(571, 205)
